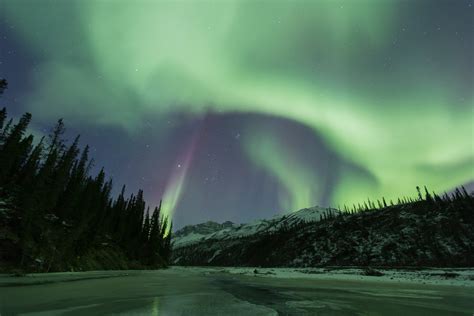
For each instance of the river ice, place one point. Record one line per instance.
(231, 291)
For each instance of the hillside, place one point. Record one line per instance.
(193, 234)
(432, 231)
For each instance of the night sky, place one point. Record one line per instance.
(237, 110)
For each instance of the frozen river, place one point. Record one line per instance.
(186, 291)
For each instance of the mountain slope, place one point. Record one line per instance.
(431, 232)
(194, 234)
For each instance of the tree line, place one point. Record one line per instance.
(425, 201)
(54, 212)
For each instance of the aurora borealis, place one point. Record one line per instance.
(236, 110)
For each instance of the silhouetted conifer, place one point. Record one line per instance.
(3, 116)
(62, 212)
(5, 131)
(13, 148)
(3, 85)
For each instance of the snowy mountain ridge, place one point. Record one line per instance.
(426, 232)
(193, 234)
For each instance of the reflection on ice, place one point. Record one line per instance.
(155, 307)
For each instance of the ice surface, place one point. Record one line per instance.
(237, 291)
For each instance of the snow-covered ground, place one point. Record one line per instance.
(435, 276)
(239, 291)
(256, 227)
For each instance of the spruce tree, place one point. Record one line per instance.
(60, 176)
(62, 209)
(28, 171)
(3, 116)
(56, 141)
(3, 85)
(12, 148)
(4, 132)
(155, 236)
(20, 159)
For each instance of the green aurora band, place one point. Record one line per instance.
(308, 62)
(293, 177)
